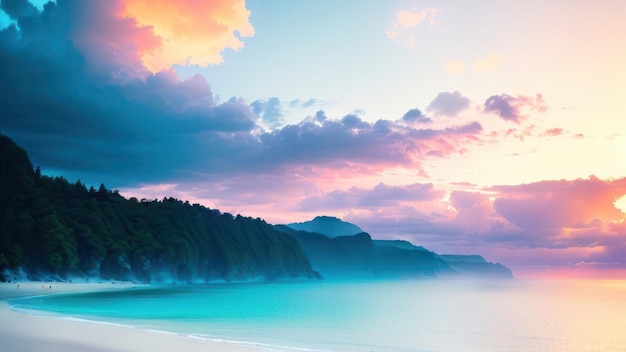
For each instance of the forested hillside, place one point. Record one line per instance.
(53, 228)
(357, 255)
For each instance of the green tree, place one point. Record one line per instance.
(57, 244)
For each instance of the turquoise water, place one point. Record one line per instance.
(429, 315)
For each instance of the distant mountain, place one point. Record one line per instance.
(357, 255)
(400, 244)
(458, 258)
(52, 229)
(476, 266)
(328, 226)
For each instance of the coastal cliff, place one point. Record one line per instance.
(339, 249)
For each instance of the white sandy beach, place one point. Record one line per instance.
(25, 333)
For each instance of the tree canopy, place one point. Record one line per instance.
(51, 227)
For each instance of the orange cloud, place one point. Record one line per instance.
(191, 31)
(492, 63)
(406, 20)
(409, 19)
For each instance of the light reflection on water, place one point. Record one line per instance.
(432, 315)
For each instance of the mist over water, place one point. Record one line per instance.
(429, 315)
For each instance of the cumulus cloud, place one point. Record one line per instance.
(573, 218)
(270, 111)
(448, 104)
(189, 31)
(510, 108)
(566, 223)
(380, 195)
(415, 116)
(558, 204)
(476, 216)
(412, 18)
(132, 37)
(408, 20)
(466, 224)
(382, 143)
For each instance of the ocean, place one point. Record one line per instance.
(411, 315)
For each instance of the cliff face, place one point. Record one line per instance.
(51, 228)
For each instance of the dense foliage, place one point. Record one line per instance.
(50, 227)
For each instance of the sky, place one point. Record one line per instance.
(493, 128)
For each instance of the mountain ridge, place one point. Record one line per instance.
(381, 258)
(329, 226)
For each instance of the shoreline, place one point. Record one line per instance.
(30, 332)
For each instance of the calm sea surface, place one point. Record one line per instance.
(429, 315)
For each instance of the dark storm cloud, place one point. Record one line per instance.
(18, 9)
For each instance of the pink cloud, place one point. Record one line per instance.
(379, 196)
(109, 42)
(551, 132)
(557, 204)
(557, 225)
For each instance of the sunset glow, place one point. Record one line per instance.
(496, 128)
(190, 32)
(620, 204)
